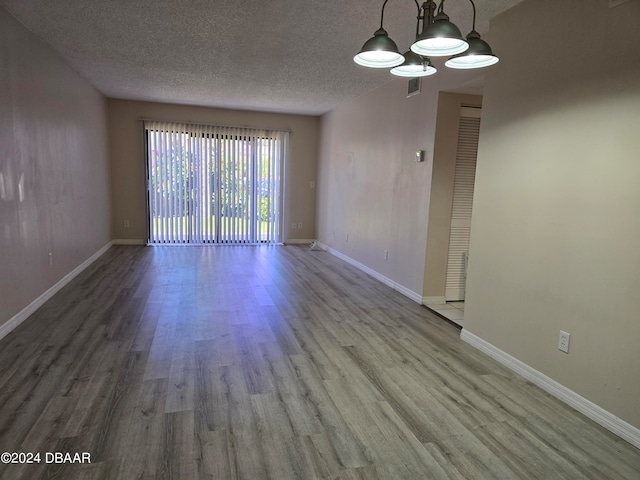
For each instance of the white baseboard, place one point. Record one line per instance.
(129, 241)
(434, 301)
(298, 241)
(23, 314)
(416, 297)
(598, 414)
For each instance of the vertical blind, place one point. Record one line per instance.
(210, 184)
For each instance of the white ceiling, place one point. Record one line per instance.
(278, 55)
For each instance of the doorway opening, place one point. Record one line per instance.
(462, 204)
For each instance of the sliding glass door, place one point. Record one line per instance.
(209, 184)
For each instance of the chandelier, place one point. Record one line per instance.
(439, 38)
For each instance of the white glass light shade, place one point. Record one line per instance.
(440, 39)
(378, 59)
(414, 66)
(439, 47)
(413, 71)
(478, 55)
(379, 52)
(465, 62)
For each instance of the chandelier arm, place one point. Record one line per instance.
(382, 14)
(385, 4)
(420, 17)
(473, 28)
(427, 16)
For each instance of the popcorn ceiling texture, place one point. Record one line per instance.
(279, 55)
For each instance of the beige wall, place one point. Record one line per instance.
(441, 198)
(369, 185)
(128, 164)
(54, 175)
(556, 219)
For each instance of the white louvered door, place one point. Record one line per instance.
(465, 174)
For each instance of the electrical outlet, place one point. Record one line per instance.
(346, 238)
(126, 224)
(563, 342)
(312, 184)
(294, 225)
(299, 224)
(386, 254)
(51, 259)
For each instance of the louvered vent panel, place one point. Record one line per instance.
(461, 210)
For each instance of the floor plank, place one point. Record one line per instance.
(272, 363)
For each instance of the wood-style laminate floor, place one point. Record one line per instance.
(272, 363)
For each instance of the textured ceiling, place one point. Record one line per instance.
(277, 55)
